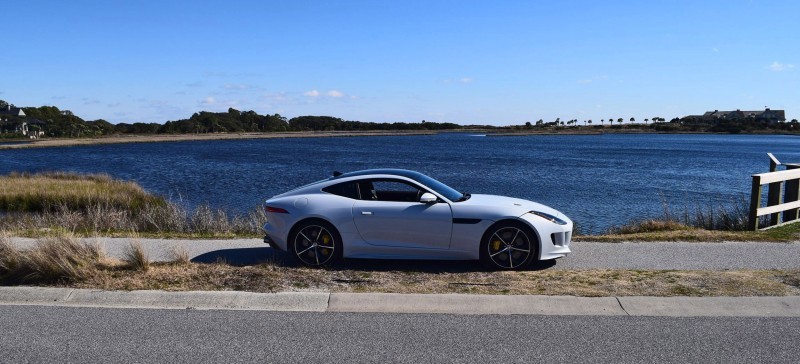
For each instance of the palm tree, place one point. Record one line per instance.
(590, 121)
(645, 121)
(602, 121)
(633, 120)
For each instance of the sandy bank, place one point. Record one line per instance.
(45, 143)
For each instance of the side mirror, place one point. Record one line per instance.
(427, 197)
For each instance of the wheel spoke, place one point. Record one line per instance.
(307, 249)
(520, 250)
(515, 237)
(305, 237)
(319, 234)
(316, 254)
(501, 251)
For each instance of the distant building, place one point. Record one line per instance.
(10, 110)
(716, 116)
(13, 120)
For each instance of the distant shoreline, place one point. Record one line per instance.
(160, 138)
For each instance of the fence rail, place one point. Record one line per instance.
(782, 196)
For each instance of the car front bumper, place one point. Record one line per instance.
(554, 238)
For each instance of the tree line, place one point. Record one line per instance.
(63, 123)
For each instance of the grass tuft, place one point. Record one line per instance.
(136, 257)
(61, 258)
(649, 226)
(179, 255)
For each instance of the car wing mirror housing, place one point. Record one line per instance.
(428, 198)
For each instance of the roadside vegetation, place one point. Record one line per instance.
(66, 261)
(713, 223)
(48, 204)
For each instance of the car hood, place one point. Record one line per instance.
(500, 205)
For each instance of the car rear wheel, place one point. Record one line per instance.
(508, 245)
(316, 243)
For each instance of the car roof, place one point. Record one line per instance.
(390, 171)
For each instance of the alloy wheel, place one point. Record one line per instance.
(314, 245)
(509, 247)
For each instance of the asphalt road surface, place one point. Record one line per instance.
(585, 255)
(102, 335)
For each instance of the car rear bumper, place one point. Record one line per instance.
(273, 238)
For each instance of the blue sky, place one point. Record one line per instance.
(500, 62)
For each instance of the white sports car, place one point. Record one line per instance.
(402, 214)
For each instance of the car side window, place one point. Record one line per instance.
(345, 189)
(394, 191)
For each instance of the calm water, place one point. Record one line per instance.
(598, 180)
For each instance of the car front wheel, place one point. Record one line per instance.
(316, 243)
(508, 245)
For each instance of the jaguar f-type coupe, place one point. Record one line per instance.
(402, 214)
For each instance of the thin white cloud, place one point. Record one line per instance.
(585, 82)
(208, 101)
(465, 80)
(780, 67)
(312, 93)
(335, 93)
(237, 86)
(715, 49)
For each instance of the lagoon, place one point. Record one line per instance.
(598, 180)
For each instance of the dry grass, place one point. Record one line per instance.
(52, 191)
(664, 231)
(136, 257)
(179, 255)
(591, 283)
(53, 203)
(58, 259)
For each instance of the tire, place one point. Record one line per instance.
(508, 245)
(316, 243)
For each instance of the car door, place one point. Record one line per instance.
(390, 214)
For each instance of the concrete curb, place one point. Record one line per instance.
(474, 304)
(787, 306)
(213, 300)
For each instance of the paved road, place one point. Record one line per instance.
(586, 255)
(101, 335)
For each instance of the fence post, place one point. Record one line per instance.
(755, 202)
(774, 193)
(774, 198)
(773, 162)
(791, 192)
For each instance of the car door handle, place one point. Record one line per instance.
(366, 212)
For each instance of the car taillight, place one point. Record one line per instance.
(276, 210)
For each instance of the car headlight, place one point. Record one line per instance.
(549, 217)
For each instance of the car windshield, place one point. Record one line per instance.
(440, 188)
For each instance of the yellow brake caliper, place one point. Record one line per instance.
(496, 245)
(325, 240)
